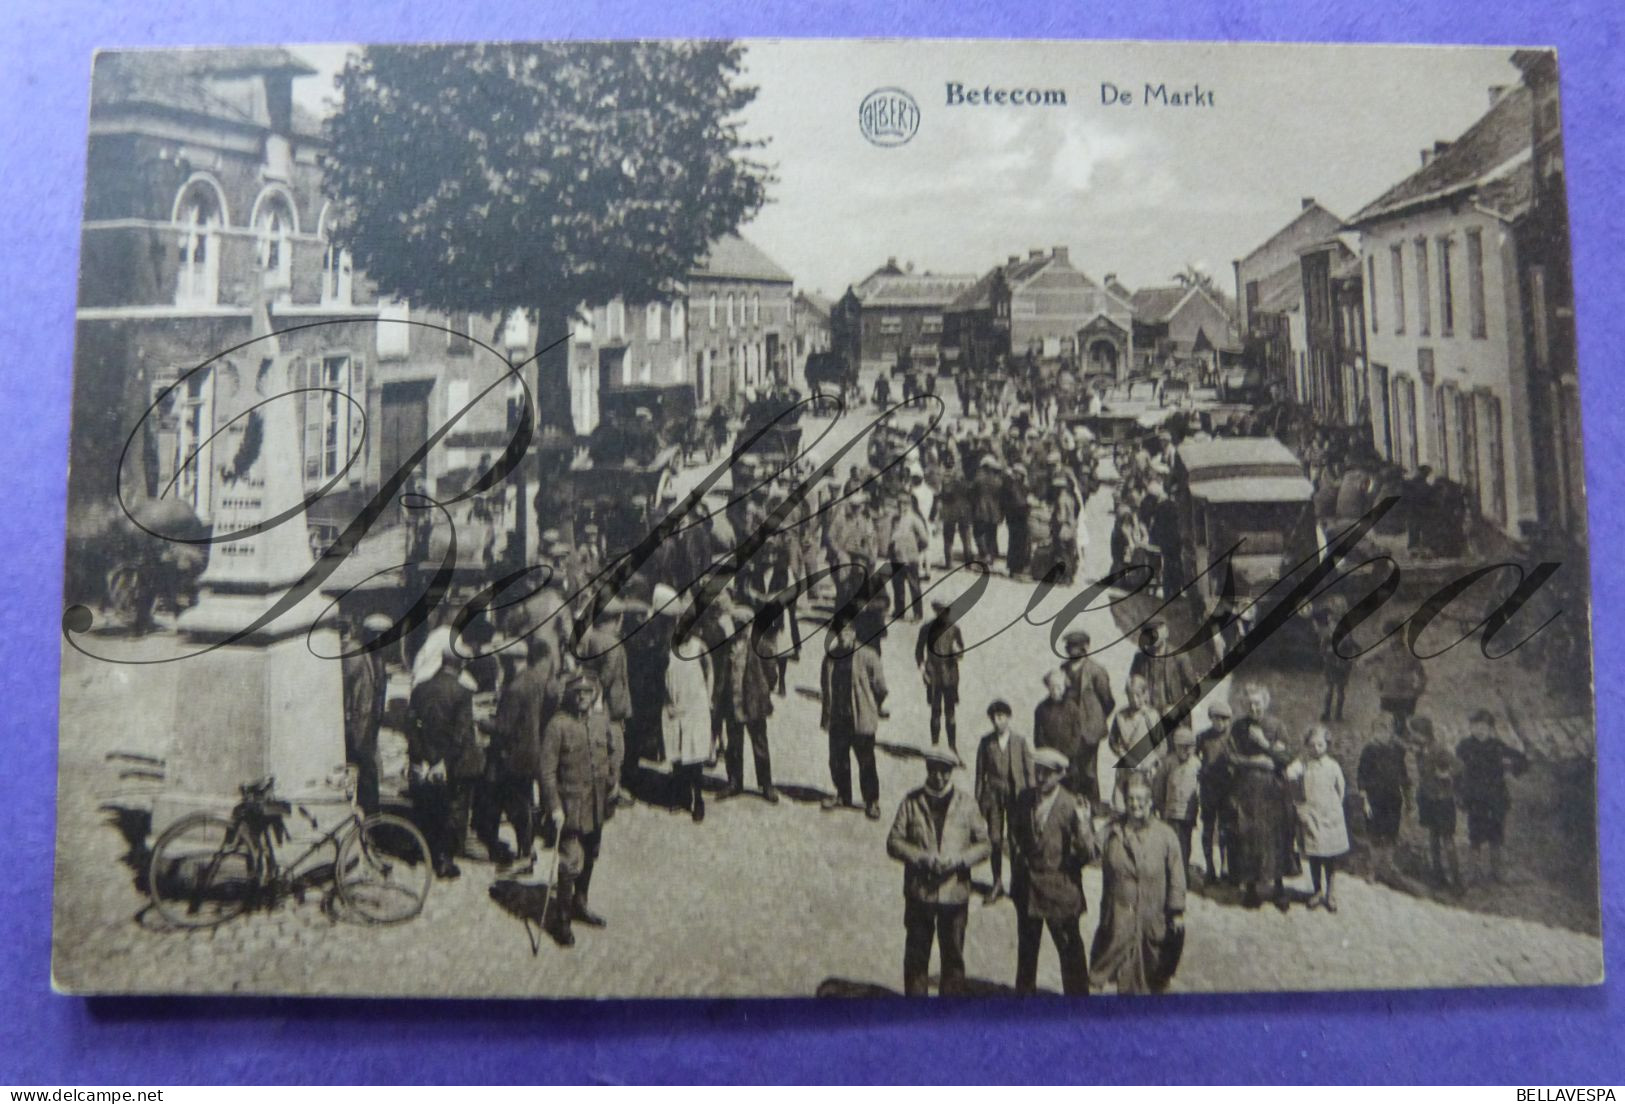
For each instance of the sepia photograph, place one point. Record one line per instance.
(838, 518)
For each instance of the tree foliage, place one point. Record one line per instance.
(489, 178)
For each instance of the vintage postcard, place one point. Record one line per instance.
(778, 518)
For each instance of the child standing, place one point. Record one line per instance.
(1436, 801)
(1176, 788)
(1319, 791)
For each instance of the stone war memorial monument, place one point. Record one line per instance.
(265, 698)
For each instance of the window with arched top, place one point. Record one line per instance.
(274, 227)
(338, 284)
(199, 214)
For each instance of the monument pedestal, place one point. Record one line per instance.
(271, 703)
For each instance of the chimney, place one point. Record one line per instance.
(1496, 92)
(1111, 278)
(1307, 202)
(1061, 253)
(1439, 148)
(1427, 155)
(908, 266)
(1034, 254)
(1013, 259)
(891, 262)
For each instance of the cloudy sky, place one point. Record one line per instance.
(1140, 190)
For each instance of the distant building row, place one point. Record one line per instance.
(1041, 305)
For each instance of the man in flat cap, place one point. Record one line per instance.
(1004, 767)
(1052, 840)
(938, 836)
(580, 760)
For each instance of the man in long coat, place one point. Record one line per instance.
(1090, 688)
(938, 836)
(936, 653)
(1053, 839)
(1142, 899)
(580, 758)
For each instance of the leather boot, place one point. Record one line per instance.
(558, 923)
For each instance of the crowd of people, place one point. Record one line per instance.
(548, 720)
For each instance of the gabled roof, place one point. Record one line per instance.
(732, 257)
(1491, 150)
(911, 289)
(179, 80)
(1310, 210)
(1159, 304)
(815, 302)
(979, 296)
(1115, 286)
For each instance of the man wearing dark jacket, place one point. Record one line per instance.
(1168, 677)
(1057, 724)
(938, 836)
(580, 759)
(852, 690)
(746, 706)
(1053, 840)
(444, 760)
(987, 496)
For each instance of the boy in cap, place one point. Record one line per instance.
(938, 836)
(1004, 768)
(1175, 788)
(1052, 839)
(1213, 786)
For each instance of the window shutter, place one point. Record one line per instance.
(308, 378)
(357, 419)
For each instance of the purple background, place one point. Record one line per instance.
(1514, 1036)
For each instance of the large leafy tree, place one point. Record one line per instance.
(536, 177)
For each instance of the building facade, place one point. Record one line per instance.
(1333, 380)
(1182, 326)
(891, 310)
(738, 309)
(1445, 322)
(1269, 287)
(809, 330)
(1039, 306)
(204, 217)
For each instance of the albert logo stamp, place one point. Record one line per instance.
(888, 117)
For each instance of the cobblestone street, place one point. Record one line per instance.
(779, 900)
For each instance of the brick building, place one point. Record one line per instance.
(893, 309)
(739, 320)
(1041, 305)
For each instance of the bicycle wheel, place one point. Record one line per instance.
(202, 872)
(383, 871)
